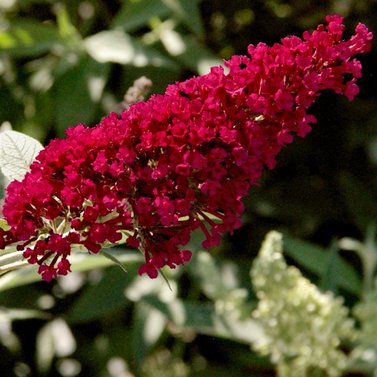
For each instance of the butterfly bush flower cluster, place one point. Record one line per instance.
(180, 161)
(303, 327)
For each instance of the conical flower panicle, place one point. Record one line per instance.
(303, 327)
(179, 161)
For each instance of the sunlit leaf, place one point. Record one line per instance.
(196, 56)
(4, 225)
(208, 275)
(117, 47)
(55, 339)
(17, 152)
(28, 38)
(188, 13)
(66, 29)
(137, 14)
(203, 319)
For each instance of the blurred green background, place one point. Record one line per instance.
(69, 62)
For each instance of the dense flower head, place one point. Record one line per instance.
(302, 327)
(179, 161)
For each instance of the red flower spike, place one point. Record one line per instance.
(157, 171)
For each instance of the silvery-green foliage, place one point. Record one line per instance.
(17, 152)
(366, 313)
(304, 327)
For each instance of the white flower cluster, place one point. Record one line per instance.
(303, 326)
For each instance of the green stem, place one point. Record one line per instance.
(11, 261)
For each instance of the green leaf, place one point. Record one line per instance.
(114, 259)
(101, 299)
(28, 38)
(203, 319)
(78, 92)
(115, 46)
(80, 262)
(328, 278)
(65, 26)
(188, 13)
(360, 200)
(17, 152)
(317, 259)
(134, 15)
(147, 326)
(137, 14)
(4, 224)
(197, 57)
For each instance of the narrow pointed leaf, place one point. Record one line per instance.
(316, 259)
(114, 259)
